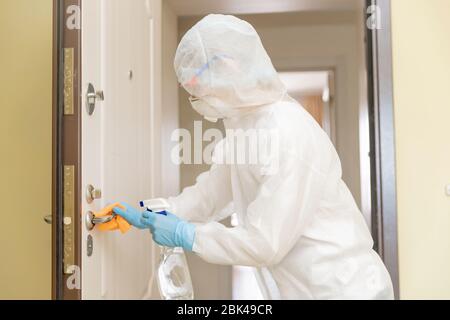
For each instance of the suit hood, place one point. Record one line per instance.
(221, 60)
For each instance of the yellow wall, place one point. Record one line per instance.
(421, 53)
(26, 147)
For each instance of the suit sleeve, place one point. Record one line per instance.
(206, 200)
(276, 219)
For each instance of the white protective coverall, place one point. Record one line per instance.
(299, 225)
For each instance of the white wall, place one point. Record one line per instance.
(364, 128)
(170, 114)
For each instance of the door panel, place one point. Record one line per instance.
(116, 143)
(26, 148)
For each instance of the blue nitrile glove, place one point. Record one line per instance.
(132, 215)
(168, 230)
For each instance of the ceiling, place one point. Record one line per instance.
(202, 7)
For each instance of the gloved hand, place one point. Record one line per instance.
(132, 215)
(168, 230)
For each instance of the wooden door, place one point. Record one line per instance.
(118, 157)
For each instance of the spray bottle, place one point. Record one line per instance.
(174, 279)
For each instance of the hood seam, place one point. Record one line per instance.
(205, 53)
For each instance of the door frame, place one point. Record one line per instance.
(382, 137)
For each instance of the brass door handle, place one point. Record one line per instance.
(91, 220)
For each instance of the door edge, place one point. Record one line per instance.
(66, 149)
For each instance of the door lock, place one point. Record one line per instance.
(91, 98)
(69, 218)
(92, 193)
(89, 245)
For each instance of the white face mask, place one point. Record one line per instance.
(206, 110)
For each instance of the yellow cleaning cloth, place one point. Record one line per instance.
(116, 223)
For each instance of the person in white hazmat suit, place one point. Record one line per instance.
(298, 222)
